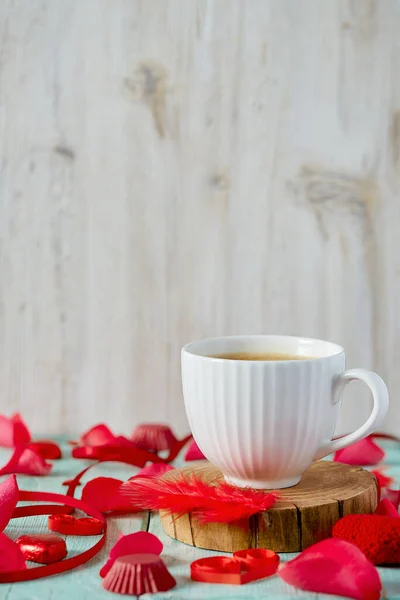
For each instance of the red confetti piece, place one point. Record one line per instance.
(245, 566)
(362, 453)
(46, 449)
(139, 574)
(155, 437)
(334, 566)
(194, 452)
(9, 494)
(385, 507)
(221, 503)
(13, 431)
(69, 525)
(45, 548)
(26, 461)
(378, 537)
(134, 543)
(11, 557)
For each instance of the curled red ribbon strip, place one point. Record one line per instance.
(245, 566)
(68, 563)
(69, 525)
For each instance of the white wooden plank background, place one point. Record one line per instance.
(174, 169)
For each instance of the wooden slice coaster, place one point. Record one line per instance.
(304, 514)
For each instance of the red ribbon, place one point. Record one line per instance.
(245, 566)
(68, 563)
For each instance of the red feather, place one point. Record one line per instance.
(210, 503)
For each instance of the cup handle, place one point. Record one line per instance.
(380, 397)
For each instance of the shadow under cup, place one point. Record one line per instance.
(262, 422)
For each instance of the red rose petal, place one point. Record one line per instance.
(46, 449)
(9, 495)
(334, 567)
(194, 452)
(393, 496)
(385, 507)
(383, 480)
(103, 494)
(11, 557)
(141, 542)
(362, 453)
(43, 548)
(97, 436)
(27, 462)
(13, 431)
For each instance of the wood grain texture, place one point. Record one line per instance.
(172, 170)
(303, 514)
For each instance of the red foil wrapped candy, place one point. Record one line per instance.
(43, 548)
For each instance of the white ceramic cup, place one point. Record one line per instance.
(263, 423)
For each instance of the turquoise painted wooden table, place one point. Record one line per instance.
(85, 581)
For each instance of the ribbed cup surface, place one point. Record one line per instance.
(260, 422)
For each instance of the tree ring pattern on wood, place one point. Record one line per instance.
(303, 515)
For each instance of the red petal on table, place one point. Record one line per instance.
(362, 453)
(383, 480)
(385, 507)
(47, 449)
(13, 431)
(97, 436)
(141, 542)
(27, 462)
(103, 494)
(153, 470)
(194, 452)
(9, 495)
(334, 567)
(11, 557)
(393, 496)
